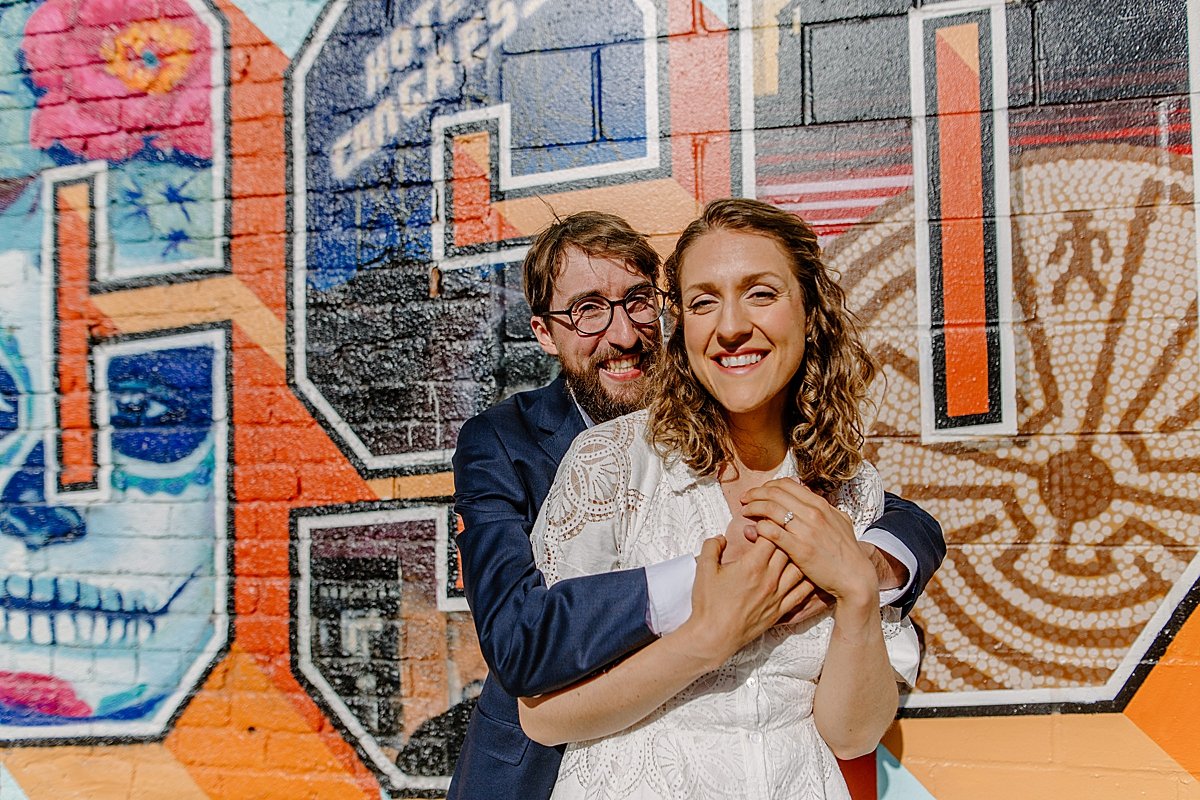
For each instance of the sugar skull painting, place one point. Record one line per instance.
(114, 586)
(113, 599)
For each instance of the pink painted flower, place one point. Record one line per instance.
(119, 73)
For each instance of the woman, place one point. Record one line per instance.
(754, 422)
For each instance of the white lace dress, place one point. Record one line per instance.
(743, 731)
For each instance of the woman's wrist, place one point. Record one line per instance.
(858, 607)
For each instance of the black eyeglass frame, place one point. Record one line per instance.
(655, 292)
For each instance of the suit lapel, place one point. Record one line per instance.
(558, 419)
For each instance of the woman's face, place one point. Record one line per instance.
(743, 319)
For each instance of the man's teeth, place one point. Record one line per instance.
(621, 364)
(740, 361)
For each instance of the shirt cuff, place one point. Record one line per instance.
(669, 585)
(903, 646)
(895, 548)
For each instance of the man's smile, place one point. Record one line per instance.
(623, 367)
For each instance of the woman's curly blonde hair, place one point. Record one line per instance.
(824, 420)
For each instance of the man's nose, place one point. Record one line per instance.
(622, 332)
(25, 514)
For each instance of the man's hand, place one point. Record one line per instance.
(890, 570)
(734, 603)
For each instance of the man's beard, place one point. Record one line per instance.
(595, 399)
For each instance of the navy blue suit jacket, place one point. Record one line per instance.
(537, 639)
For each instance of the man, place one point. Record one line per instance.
(590, 282)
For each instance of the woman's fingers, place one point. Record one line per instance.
(782, 489)
(793, 506)
(796, 548)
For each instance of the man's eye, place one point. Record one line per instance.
(589, 308)
(638, 302)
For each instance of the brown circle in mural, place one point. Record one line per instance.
(1076, 485)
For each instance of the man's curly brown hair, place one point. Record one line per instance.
(823, 422)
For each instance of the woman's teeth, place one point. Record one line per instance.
(740, 361)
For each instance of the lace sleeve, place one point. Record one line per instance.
(579, 528)
(861, 497)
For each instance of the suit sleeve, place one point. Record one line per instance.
(921, 534)
(534, 639)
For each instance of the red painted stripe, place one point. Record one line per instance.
(476, 220)
(960, 171)
(72, 249)
(699, 69)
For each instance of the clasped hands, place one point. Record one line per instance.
(803, 558)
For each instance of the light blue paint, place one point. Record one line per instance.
(9, 790)
(285, 24)
(719, 8)
(894, 782)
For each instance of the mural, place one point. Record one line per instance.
(113, 601)
(258, 262)
(113, 450)
(382, 639)
(400, 111)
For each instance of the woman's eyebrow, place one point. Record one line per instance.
(709, 286)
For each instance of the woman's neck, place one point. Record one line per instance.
(759, 442)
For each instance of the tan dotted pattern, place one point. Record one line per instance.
(1065, 539)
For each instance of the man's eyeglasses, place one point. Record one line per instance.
(591, 316)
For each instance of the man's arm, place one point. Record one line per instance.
(534, 639)
(917, 532)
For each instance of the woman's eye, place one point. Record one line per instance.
(701, 304)
(763, 295)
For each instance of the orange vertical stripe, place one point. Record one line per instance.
(960, 162)
(73, 248)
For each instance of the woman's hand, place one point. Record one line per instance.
(817, 537)
(734, 603)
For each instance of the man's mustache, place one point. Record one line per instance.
(612, 351)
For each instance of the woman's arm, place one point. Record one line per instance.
(732, 605)
(856, 696)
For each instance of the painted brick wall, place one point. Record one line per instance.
(258, 264)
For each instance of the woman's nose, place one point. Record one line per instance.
(733, 324)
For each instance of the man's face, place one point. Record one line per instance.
(606, 372)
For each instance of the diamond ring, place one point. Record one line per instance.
(788, 517)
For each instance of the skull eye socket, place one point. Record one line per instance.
(160, 403)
